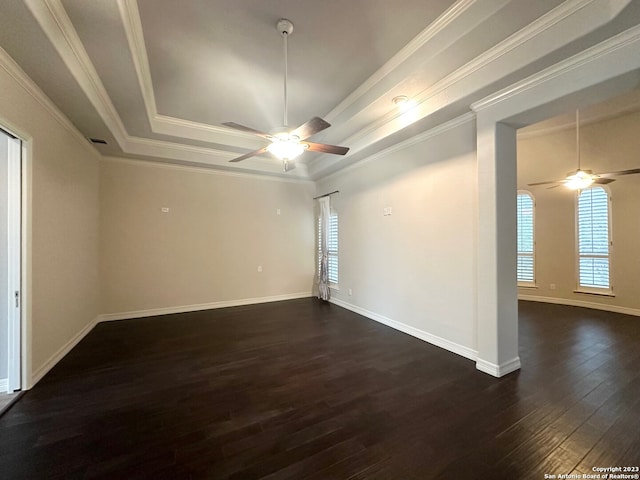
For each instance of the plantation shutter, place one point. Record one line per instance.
(525, 238)
(332, 246)
(593, 238)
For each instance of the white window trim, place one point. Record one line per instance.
(605, 292)
(533, 284)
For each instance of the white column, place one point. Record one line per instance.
(497, 322)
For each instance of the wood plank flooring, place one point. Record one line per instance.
(306, 390)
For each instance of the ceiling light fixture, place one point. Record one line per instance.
(579, 180)
(400, 100)
(286, 147)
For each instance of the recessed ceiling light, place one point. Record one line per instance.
(400, 99)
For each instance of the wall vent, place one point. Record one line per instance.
(98, 140)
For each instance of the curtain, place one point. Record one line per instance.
(323, 275)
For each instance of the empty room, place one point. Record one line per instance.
(319, 240)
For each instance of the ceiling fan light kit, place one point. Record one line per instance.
(579, 180)
(287, 145)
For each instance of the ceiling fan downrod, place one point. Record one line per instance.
(285, 28)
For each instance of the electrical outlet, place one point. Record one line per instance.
(386, 211)
(552, 286)
(259, 268)
(164, 209)
(277, 211)
(350, 292)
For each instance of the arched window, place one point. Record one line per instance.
(526, 241)
(594, 240)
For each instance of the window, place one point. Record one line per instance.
(526, 264)
(593, 240)
(332, 246)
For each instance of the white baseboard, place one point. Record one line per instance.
(580, 303)
(107, 317)
(4, 385)
(37, 375)
(498, 370)
(453, 347)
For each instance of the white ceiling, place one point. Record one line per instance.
(157, 78)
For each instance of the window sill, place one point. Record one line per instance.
(605, 293)
(532, 286)
(334, 286)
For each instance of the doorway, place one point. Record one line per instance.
(10, 264)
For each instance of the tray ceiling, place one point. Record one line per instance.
(157, 78)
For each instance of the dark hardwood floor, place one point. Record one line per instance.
(304, 390)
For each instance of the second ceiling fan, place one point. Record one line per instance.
(579, 179)
(287, 144)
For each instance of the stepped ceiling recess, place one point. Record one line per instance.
(156, 79)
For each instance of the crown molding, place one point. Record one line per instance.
(611, 45)
(207, 157)
(421, 137)
(57, 26)
(164, 124)
(581, 16)
(452, 14)
(132, 24)
(209, 171)
(55, 23)
(14, 70)
(565, 23)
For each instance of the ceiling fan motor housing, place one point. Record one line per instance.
(284, 26)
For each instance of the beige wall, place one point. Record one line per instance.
(610, 145)
(220, 227)
(416, 266)
(64, 222)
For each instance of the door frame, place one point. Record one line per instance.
(26, 152)
(14, 262)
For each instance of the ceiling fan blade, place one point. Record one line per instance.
(324, 148)
(313, 126)
(250, 154)
(237, 126)
(553, 186)
(604, 181)
(544, 183)
(621, 172)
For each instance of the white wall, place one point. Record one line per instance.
(207, 248)
(62, 219)
(609, 145)
(416, 266)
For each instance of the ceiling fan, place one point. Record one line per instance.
(579, 179)
(289, 144)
